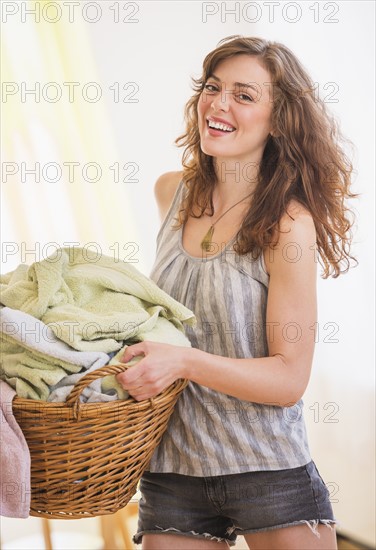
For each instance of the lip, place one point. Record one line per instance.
(221, 120)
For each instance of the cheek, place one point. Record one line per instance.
(260, 119)
(201, 106)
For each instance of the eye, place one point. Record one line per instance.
(208, 87)
(247, 97)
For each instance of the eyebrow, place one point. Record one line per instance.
(240, 84)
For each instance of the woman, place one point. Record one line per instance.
(259, 201)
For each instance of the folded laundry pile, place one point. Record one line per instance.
(34, 361)
(70, 313)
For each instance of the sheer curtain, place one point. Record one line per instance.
(58, 143)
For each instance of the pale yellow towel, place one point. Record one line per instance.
(92, 302)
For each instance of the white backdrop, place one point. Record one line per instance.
(140, 56)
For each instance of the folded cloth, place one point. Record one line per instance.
(91, 301)
(33, 361)
(15, 460)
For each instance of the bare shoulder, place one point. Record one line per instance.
(164, 190)
(296, 235)
(296, 223)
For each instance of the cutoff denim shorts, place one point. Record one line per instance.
(222, 507)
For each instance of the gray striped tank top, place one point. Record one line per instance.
(211, 433)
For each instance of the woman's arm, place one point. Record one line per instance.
(279, 379)
(291, 315)
(164, 191)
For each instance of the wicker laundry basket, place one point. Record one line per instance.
(87, 458)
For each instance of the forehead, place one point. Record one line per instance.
(242, 68)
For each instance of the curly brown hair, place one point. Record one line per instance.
(302, 160)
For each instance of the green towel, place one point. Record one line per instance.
(94, 303)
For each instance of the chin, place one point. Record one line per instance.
(217, 152)
(212, 150)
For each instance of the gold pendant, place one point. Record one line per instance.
(206, 241)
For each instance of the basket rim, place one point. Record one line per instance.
(130, 403)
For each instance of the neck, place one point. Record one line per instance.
(235, 180)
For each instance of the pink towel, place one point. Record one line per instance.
(15, 460)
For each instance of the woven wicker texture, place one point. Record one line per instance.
(87, 458)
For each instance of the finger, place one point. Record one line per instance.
(129, 378)
(141, 396)
(140, 393)
(146, 392)
(136, 390)
(132, 351)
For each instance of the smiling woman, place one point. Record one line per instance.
(249, 126)
(285, 146)
(235, 457)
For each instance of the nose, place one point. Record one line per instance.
(221, 101)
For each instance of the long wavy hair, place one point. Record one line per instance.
(304, 160)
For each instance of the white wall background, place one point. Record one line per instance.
(158, 52)
(335, 41)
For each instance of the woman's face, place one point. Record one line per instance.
(239, 92)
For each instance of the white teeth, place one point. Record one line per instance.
(220, 126)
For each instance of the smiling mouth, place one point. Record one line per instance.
(220, 127)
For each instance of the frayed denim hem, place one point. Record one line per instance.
(312, 524)
(137, 538)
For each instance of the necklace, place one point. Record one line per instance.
(207, 240)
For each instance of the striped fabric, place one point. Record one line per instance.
(211, 433)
